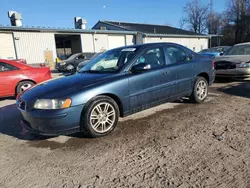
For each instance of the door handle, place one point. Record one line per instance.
(166, 72)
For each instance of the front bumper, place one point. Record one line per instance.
(61, 68)
(52, 122)
(234, 73)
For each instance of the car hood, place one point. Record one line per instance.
(233, 58)
(60, 87)
(67, 60)
(210, 53)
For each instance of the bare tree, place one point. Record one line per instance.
(214, 23)
(195, 16)
(238, 11)
(182, 23)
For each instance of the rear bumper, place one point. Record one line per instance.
(234, 73)
(52, 122)
(211, 78)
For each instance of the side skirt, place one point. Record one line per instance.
(170, 99)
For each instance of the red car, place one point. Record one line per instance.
(15, 77)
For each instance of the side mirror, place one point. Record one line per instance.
(141, 67)
(221, 53)
(189, 58)
(186, 58)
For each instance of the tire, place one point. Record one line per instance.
(93, 123)
(22, 86)
(201, 85)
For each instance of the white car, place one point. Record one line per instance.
(235, 63)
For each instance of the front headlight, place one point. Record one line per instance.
(243, 65)
(48, 104)
(63, 63)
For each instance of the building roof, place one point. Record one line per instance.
(151, 29)
(62, 30)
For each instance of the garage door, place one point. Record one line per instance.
(116, 41)
(7, 46)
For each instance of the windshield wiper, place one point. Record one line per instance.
(90, 71)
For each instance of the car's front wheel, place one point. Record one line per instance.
(100, 116)
(200, 90)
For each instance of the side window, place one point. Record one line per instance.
(4, 67)
(81, 57)
(176, 54)
(154, 57)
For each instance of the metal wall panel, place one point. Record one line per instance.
(115, 41)
(100, 42)
(32, 46)
(130, 40)
(7, 50)
(195, 44)
(87, 43)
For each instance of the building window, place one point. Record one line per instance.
(103, 28)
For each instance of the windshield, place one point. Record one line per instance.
(202, 51)
(72, 56)
(110, 61)
(239, 50)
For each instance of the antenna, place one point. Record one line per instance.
(210, 18)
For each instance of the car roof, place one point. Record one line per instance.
(242, 44)
(148, 45)
(220, 46)
(152, 44)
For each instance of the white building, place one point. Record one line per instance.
(39, 45)
(149, 33)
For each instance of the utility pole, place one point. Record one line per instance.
(210, 19)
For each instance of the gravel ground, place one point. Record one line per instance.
(174, 145)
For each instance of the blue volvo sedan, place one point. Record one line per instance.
(117, 83)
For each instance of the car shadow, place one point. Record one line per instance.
(230, 80)
(223, 80)
(7, 98)
(10, 124)
(54, 71)
(241, 89)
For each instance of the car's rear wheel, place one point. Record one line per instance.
(200, 90)
(100, 116)
(22, 86)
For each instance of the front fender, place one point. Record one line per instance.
(119, 88)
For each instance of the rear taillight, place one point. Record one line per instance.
(212, 64)
(49, 74)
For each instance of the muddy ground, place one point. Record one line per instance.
(174, 145)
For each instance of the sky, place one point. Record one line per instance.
(61, 13)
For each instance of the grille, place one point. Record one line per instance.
(22, 105)
(224, 65)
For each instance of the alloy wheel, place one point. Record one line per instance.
(102, 117)
(201, 90)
